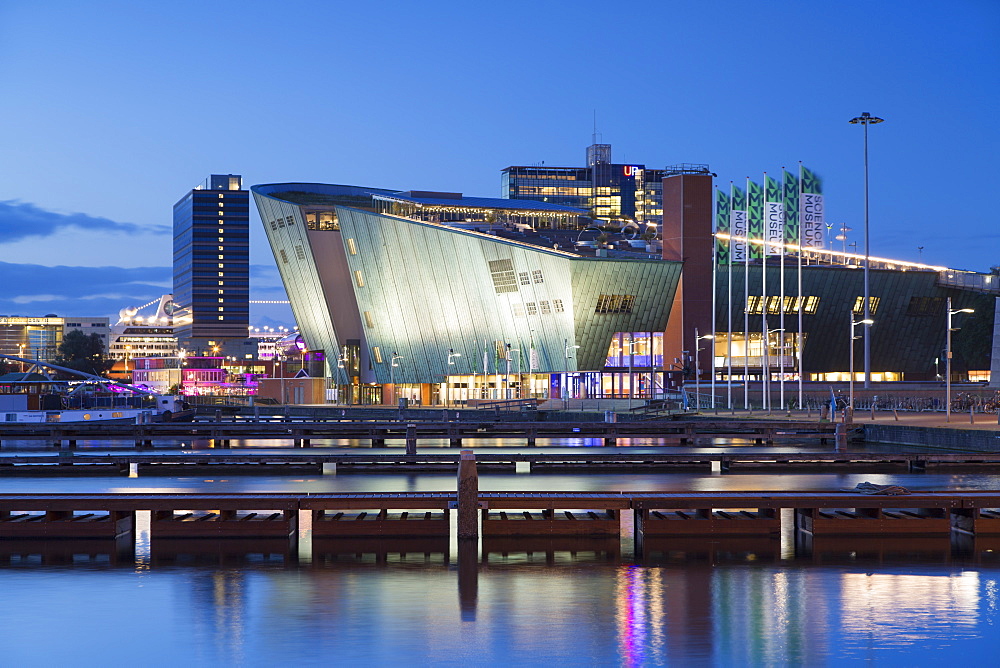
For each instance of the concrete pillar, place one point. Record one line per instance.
(411, 439)
(468, 496)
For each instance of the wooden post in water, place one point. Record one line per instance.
(468, 496)
(841, 437)
(411, 439)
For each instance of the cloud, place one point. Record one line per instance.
(33, 290)
(20, 220)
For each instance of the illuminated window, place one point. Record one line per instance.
(221, 205)
(220, 195)
(859, 305)
(546, 308)
(220, 229)
(532, 308)
(221, 300)
(221, 265)
(221, 248)
(358, 278)
(222, 317)
(368, 319)
(221, 282)
(615, 303)
(536, 276)
(377, 354)
(221, 257)
(524, 278)
(220, 221)
(351, 248)
(222, 308)
(557, 305)
(755, 304)
(502, 272)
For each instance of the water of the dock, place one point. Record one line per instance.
(720, 602)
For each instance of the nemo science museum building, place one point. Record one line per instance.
(444, 299)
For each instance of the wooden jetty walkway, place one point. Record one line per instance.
(378, 433)
(681, 514)
(318, 462)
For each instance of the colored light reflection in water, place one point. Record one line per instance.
(639, 615)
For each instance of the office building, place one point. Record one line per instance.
(31, 338)
(608, 191)
(212, 266)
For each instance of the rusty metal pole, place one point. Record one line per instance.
(468, 496)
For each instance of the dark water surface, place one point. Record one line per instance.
(726, 602)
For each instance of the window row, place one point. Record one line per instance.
(544, 307)
(775, 304)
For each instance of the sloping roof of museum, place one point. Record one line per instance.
(486, 203)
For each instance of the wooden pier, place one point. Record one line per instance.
(317, 461)
(679, 514)
(301, 434)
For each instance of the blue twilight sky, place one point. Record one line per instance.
(112, 110)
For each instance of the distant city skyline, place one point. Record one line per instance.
(139, 102)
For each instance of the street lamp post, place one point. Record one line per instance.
(518, 351)
(567, 349)
(697, 368)
(947, 360)
(766, 364)
(866, 322)
(392, 373)
(447, 386)
(631, 380)
(866, 119)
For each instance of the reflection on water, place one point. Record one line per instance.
(249, 602)
(788, 600)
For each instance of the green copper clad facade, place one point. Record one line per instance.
(421, 289)
(909, 314)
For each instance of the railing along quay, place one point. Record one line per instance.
(317, 462)
(302, 433)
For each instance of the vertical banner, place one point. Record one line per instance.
(755, 217)
(774, 216)
(811, 217)
(722, 227)
(791, 208)
(738, 223)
